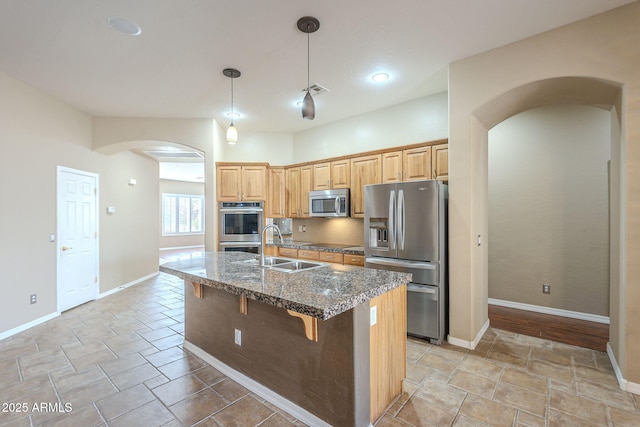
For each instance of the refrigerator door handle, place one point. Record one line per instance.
(400, 263)
(392, 214)
(421, 289)
(400, 220)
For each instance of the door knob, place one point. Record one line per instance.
(66, 248)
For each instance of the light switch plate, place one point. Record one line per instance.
(374, 315)
(238, 337)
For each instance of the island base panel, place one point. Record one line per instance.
(329, 378)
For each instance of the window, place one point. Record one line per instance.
(182, 214)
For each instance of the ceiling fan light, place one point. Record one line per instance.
(232, 134)
(308, 107)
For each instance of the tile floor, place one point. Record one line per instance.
(118, 361)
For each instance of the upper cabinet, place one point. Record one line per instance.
(238, 182)
(335, 174)
(364, 170)
(416, 164)
(440, 162)
(392, 166)
(299, 181)
(411, 164)
(275, 206)
(286, 189)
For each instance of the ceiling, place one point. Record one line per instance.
(174, 68)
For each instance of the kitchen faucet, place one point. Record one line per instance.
(262, 241)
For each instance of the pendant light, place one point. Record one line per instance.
(308, 24)
(232, 132)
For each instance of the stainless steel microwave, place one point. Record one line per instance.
(329, 203)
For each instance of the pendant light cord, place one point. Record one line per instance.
(231, 101)
(308, 57)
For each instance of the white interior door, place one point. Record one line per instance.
(77, 238)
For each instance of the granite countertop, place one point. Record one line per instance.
(326, 247)
(322, 292)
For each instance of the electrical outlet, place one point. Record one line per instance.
(238, 337)
(546, 288)
(374, 315)
(34, 298)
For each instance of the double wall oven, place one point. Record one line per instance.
(240, 224)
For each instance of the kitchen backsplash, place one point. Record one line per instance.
(347, 231)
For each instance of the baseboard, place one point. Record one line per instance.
(126, 285)
(257, 388)
(624, 384)
(469, 344)
(548, 310)
(24, 327)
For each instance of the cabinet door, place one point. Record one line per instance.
(341, 174)
(440, 162)
(322, 176)
(254, 182)
(306, 185)
(293, 192)
(229, 183)
(364, 170)
(392, 167)
(416, 163)
(275, 193)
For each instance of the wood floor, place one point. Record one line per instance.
(581, 333)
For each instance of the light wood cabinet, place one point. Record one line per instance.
(364, 170)
(328, 175)
(354, 260)
(288, 252)
(322, 176)
(299, 181)
(388, 346)
(236, 182)
(275, 206)
(331, 257)
(416, 164)
(392, 166)
(306, 185)
(440, 162)
(271, 251)
(307, 254)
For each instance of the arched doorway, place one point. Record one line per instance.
(468, 189)
(549, 224)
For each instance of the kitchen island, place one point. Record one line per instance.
(326, 344)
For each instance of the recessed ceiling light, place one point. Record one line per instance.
(124, 25)
(380, 77)
(233, 115)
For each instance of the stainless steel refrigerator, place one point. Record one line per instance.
(405, 226)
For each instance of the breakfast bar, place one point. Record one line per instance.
(325, 342)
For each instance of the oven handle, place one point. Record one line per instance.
(245, 211)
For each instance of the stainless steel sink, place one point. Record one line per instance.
(286, 265)
(294, 266)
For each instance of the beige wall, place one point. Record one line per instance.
(117, 134)
(344, 231)
(179, 187)
(420, 120)
(39, 133)
(548, 208)
(605, 47)
(273, 148)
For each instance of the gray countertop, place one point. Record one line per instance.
(321, 292)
